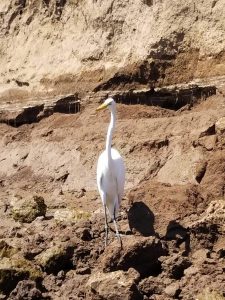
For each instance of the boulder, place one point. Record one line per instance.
(220, 126)
(28, 208)
(140, 253)
(115, 285)
(151, 285)
(6, 250)
(14, 269)
(26, 289)
(207, 142)
(175, 265)
(173, 290)
(56, 258)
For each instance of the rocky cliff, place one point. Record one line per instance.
(79, 44)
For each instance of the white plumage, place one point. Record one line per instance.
(110, 173)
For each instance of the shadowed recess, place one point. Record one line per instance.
(141, 219)
(170, 98)
(177, 232)
(34, 113)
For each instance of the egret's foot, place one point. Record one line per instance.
(117, 232)
(120, 234)
(119, 239)
(106, 235)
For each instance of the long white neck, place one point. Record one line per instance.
(109, 135)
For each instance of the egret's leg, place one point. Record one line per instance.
(106, 227)
(116, 228)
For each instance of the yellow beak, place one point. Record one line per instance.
(102, 106)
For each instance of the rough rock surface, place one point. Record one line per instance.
(56, 258)
(26, 289)
(110, 285)
(171, 220)
(16, 268)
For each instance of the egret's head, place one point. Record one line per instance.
(109, 102)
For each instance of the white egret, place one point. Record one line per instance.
(110, 173)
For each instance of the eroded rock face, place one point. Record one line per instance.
(158, 50)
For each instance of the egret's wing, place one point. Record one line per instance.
(120, 179)
(100, 172)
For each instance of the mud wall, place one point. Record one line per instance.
(83, 44)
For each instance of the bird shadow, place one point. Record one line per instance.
(141, 219)
(180, 234)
